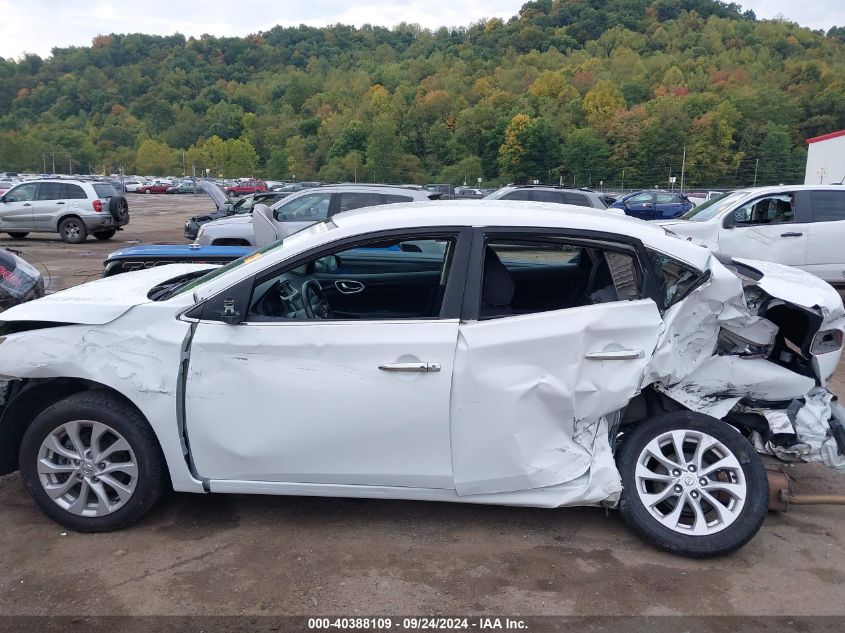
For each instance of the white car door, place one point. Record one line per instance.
(771, 228)
(826, 234)
(359, 398)
(562, 339)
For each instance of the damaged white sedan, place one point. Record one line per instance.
(480, 352)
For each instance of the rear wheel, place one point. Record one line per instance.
(92, 463)
(72, 230)
(692, 485)
(18, 235)
(104, 235)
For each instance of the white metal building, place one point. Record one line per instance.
(826, 159)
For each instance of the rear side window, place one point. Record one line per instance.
(356, 200)
(828, 206)
(667, 198)
(50, 191)
(519, 194)
(105, 191)
(391, 199)
(549, 196)
(578, 199)
(75, 192)
(675, 279)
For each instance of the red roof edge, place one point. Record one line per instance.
(824, 137)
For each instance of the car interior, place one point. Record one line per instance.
(770, 210)
(407, 280)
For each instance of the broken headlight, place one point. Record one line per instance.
(826, 341)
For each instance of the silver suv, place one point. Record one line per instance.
(549, 193)
(299, 210)
(71, 208)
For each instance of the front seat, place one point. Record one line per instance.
(497, 288)
(263, 225)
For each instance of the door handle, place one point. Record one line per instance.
(26, 204)
(622, 354)
(348, 286)
(60, 202)
(791, 234)
(411, 367)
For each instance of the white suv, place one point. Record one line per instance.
(798, 225)
(71, 208)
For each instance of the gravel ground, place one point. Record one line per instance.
(228, 555)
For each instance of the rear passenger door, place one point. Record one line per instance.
(49, 202)
(536, 374)
(825, 234)
(668, 206)
(640, 206)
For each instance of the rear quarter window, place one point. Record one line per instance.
(577, 199)
(74, 192)
(105, 191)
(828, 206)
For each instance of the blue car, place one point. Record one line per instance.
(148, 256)
(654, 205)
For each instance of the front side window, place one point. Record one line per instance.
(640, 198)
(50, 191)
(667, 198)
(378, 280)
(523, 276)
(778, 209)
(828, 206)
(22, 193)
(309, 208)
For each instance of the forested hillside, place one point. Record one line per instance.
(584, 90)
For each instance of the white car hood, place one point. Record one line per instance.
(99, 301)
(702, 233)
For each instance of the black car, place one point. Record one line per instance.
(226, 207)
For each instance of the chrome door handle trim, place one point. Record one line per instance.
(622, 354)
(791, 234)
(410, 367)
(348, 286)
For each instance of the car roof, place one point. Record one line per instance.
(514, 213)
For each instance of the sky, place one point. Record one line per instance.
(76, 22)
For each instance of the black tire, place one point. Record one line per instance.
(105, 235)
(72, 230)
(119, 208)
(97, 406)
(728, 539)
(18, 235)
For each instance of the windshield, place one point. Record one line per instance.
(290, 241)
(714, 206)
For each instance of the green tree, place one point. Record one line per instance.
(278, 165)
(602, 102)
(586, 157)
(154, 158)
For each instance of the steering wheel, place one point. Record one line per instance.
(314, 301)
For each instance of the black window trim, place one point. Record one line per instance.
(210, 309)
(806, 202)
(472, 299)
(799, 213)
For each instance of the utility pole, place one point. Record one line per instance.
(821, 172)
(756, 164)
(44, 161)
(69, 165)
(683, 167)
(54, 163)
(623, 181)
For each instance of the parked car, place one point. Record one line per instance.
(548, 193)
(654, 205)
(298, 211)
(445, 191)
(186, 186)
(159, 186)
(472, 354)
(798, 225)
(296, 186)
(19, 281)
(5, 185)
(145, 256)
(71, 208)
(226, 207)
(132, 186)
(469, 192)
(243, 188)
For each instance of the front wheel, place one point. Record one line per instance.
(92, 463)
(692, 485)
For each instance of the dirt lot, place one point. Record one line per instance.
(251, 555)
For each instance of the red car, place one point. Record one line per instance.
(156, 187)
(244, 188)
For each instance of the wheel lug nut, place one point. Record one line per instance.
(95, 479)
(101, 465)
(691, 468)
(694, 494)
(676, 473)
(678, 489)
(703, 481)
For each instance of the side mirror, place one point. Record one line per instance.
(741, 216)
(327, 264)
